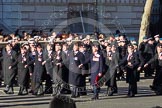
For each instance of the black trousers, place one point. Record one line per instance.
(149, 70)
(38, 86)
(132, 88)
(48, 84)
(75, 91)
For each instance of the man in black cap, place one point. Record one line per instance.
(143, 44)
(106, 54)
(157, 82)
(76, 58)
(156, 37)
(47, 57)
(16, 45)
(88, 44)
(85, 69)
(131, 62)
(140, 58)
(122, 52)
(32, 54)
(112, 60)
(65, 69)
(23, 63)
(149, 53)
(102, 44)
(57, 65)
(96, 68)
(38, 71)
(9, 68)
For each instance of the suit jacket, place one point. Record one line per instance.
(96, 65)
(38, 67)
(157, 61)
(48, 65)
(65, 66)
(111, 64)
(149, 51)
(141, 58)
(23, 73)
(57, 69)
(75, 73)
(85, 68)
(132, 74)
(9, 60)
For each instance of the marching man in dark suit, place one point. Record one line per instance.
(112, 60)
(57, 65)
(157, 82)
(85, 69)
(131, 62)
(23, 63)
(96, 66)
(38, 71)
(32, 55)
(9, 68)
(47, 57)
(76, 58)
(65, 69)
(149, 53)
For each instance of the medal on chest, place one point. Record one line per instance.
(23, 59)
(40, 57)
(96, 57)
(75, 58)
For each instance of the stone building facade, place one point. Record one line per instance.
(124, 15)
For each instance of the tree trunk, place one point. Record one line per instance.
(145, 20)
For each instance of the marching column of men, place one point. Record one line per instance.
(70, 63)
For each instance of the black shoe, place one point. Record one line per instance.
(65, 92)
(158, 93)
(10, 92)
(131, 94)
(152, 87)
(122, 78)
(24, 94)
(73, 96)
(68, 92)
(48, 92)
(34, 94)
(95, 97)
(115, 91)
(40, 94)
(110, 93)
(20, 93)
(83, 93)
(5, 91)
(31, 91)
(146, 75)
